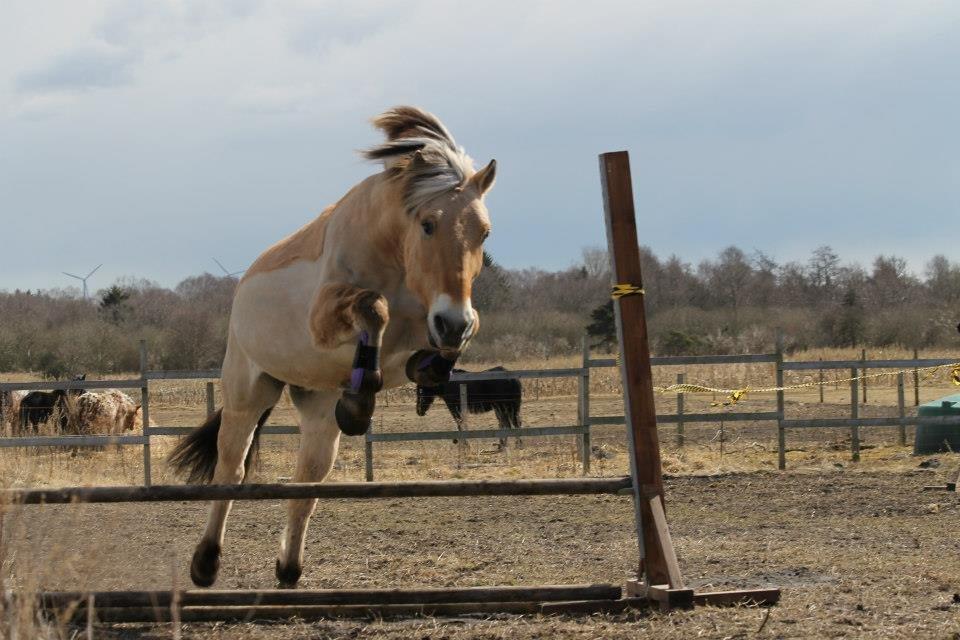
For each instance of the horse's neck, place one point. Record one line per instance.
(369, 223)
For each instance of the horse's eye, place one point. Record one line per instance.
(428, 227)
(486, 234)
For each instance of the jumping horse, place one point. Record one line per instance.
(374, 291)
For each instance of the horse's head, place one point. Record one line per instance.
(443, 253)
(425, 398)
(445, 220)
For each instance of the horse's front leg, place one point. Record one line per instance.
(343, 309)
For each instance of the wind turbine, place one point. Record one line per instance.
(226, 272)
(83, 279)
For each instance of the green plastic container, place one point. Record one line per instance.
(938, 438)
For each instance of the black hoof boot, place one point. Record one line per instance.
(288, 576)
(205, 564)
(428, 368)
(354, 412)
(355, 408)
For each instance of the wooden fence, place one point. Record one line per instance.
(585, 420)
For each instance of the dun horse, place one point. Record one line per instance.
(373, 291)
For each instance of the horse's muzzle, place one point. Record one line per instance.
(451, 330)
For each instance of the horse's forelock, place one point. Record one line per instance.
(412, 122)
(421, 152)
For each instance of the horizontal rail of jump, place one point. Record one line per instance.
(466, 434)
(71, 441)
(64, 385)
(868, 364)
(299, 491)
(827, 423)
(673, 418)
(239, 598)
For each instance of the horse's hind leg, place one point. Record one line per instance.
(319, 440)
(246, 401)
(343, 309)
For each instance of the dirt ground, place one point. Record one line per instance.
(857, 554)
(858, 548)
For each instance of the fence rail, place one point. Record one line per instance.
(581, 430)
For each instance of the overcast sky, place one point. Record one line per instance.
(153, 136)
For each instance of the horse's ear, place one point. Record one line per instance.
(485, 178)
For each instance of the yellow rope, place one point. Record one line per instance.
(735, 395)
(623, 290)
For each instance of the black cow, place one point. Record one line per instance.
(37, 406)
(500, 396)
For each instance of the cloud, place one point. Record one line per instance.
(96, 66)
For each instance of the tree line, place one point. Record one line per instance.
(731, 303)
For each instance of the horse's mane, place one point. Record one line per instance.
(420, 152)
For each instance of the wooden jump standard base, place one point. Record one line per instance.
(240, 605)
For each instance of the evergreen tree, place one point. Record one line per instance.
(604, 325)
(113, 304)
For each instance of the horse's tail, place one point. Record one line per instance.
(196, 455)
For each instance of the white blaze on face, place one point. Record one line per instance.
(449, 320)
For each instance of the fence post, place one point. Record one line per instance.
(583, 407)
(781, 432)
(462, 426)
(854, 415)
(145, 413)
(368, 454)
(821, 380)
(211, 406)
(916, 379)
(681, 378)
(902, 407)
(863, 358)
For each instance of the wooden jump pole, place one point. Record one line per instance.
(308, 597)
(325, 490)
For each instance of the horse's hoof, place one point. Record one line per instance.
(288, 576)
(428, 368)
(354, 412)
(205, 564)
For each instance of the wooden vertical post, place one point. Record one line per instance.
(821, 382)
(916, 379)
(211, 405)
(681, 378)
(658, 562)
(902, 408)
(863, 358)
(854, 414)
(583, 407)
(781, 403)
(463, 426)
(145, 413)
(368, 454)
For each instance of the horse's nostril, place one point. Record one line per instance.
(440, 324)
